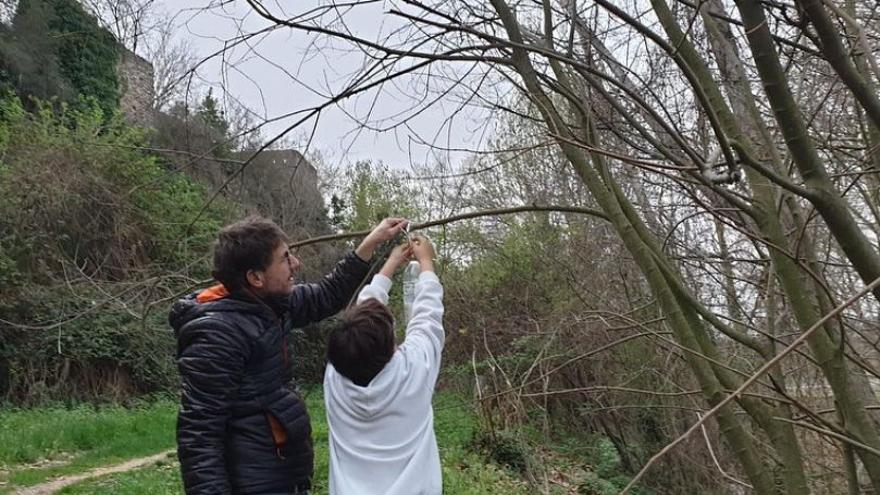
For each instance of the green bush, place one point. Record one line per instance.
(87, 215)
(308, 346)
(504, 447)
(79, 189)
(371, 192)
(506, 275)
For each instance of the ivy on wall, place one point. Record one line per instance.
(55, 50)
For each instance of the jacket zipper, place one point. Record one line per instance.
(279, 434)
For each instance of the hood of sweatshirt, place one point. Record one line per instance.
(376, 398)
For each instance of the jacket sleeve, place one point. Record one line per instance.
(314, 302)
(377, 289)
(425, 336)
(211, 360)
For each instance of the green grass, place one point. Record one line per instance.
(39, 444)
(105, 436)
(465, 471)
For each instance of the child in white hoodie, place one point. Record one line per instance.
(378, 396)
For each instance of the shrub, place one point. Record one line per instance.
(504, 447)
(93, 226)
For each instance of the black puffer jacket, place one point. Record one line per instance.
(236, 379)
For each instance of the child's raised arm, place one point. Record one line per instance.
(380, 285)
(424, 333)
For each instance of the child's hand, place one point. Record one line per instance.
(399, 255)
(422, 250)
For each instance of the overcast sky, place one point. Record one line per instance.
(283, 72)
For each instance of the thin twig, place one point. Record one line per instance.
(715, 459)
(834, 434)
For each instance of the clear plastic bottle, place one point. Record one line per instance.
(410, 277)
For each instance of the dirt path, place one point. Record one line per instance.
(59, 483)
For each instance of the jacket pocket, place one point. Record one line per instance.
(279, 434)
(291, 421)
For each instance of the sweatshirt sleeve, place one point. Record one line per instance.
(424, 333)
(377, 289)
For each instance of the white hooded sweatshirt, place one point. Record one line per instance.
(382, 435)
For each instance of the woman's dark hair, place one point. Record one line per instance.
(361, 342)
(245, 245)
